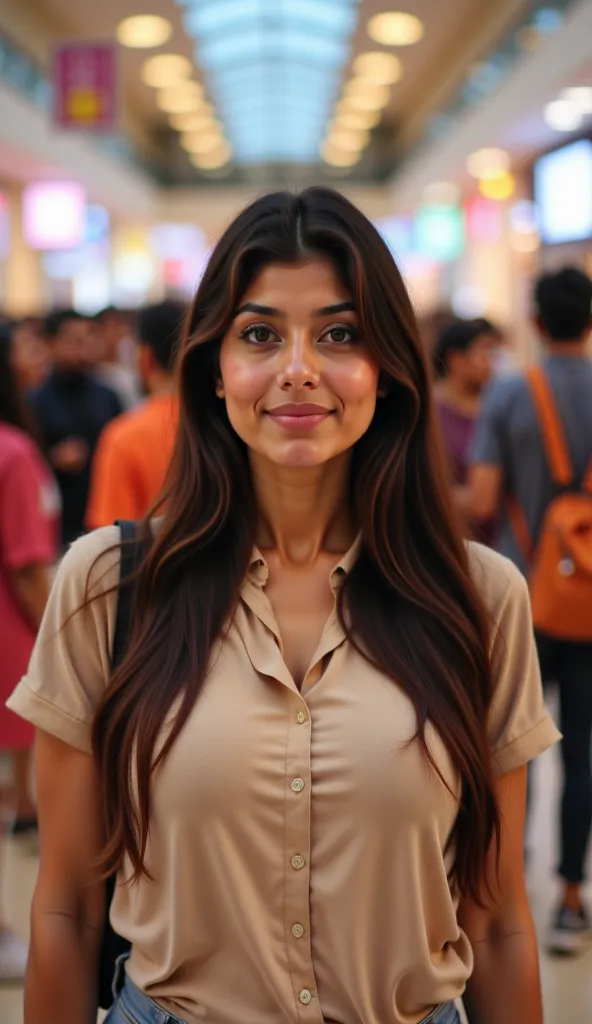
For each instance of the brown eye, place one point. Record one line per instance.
(257, 334)
(342, 335)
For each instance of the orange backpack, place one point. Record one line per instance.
(560, 568)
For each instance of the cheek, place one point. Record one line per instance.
(355, 382)
(244, 382)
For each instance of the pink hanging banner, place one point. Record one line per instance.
(85, 87)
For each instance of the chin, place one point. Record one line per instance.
(299, 455)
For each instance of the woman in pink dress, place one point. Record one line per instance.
(29, 508)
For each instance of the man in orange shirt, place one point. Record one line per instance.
(134, 451)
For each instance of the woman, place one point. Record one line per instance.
(464, 361)
(27, 546)
(307, 762)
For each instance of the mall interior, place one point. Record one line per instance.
(133, 131)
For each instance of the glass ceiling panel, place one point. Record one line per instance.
(273, 69)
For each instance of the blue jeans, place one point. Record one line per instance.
(445, 1014)
(133, 1007)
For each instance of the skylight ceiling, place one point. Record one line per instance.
(273, 69)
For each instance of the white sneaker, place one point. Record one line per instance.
(13, 957)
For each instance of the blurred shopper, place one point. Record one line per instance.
(30, 356)
(512, 471)
(134, 451)
(464, 357)
(29, 508)
(314, 704)
(71, 410)
(111, 330)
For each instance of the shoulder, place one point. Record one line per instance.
(118, 430)
(16, 446)
(101, 390)
(504, 390)
(92, 562)
(496, 578)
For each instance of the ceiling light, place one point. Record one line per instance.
(370, 100)
(339, 157)
(166, 69)
(363, 86)
(488, 162)
(181, 99)
(144, 31)
(356, 119)
(192, 122)
(395, 28)
(348, 140)
(213, 160)
(580, 97)
(202, 142)
(377, 66)
(499, 187)
(563, 116)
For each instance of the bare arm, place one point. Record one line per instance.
(483, 492)
(505, 985)
(30, 586)
(67, 916)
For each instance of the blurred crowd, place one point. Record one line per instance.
(87, 422)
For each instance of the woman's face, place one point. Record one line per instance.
(299, 384)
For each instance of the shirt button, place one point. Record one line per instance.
(298, 785)
(297, 862)
(297, 931)
(305, 997)
(301, 717)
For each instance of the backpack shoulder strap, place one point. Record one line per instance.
(131, 550)
(556, 450)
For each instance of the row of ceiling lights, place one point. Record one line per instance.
(178, 95)
(358, 111)
(368, 91)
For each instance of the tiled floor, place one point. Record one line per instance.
(567, 985)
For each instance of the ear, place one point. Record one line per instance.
(220, 392)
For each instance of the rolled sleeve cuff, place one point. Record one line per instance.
(40, 713)
(526, 747)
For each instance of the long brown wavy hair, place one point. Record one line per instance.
(408, 604)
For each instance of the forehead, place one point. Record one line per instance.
(297, 287)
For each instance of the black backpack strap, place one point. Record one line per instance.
(113, 947)
(130, 555)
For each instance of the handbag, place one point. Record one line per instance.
(113, 945)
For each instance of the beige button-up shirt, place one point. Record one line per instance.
(296, 839)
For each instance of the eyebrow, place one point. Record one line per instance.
(254, 307)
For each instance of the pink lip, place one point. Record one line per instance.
(299, 415)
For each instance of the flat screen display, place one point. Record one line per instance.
(563, 193)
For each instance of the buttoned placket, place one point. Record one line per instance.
(298, 792)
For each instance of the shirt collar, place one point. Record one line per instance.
(259, 569)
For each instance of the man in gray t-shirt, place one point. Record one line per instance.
(509, 447)
(508, 458)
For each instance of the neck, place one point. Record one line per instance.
(303, 512)
(161, 385)
(566, 348)
(453, 393)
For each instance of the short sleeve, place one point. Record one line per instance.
(488, 441)
(520, 725)
(70, 665)
(25, 531)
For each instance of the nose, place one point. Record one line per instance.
(299, 363)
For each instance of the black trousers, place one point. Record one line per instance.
(569, 665)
